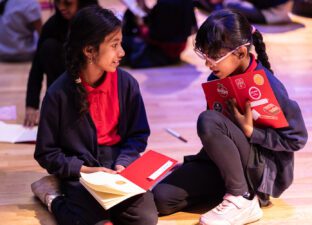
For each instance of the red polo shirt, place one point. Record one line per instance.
(104, 109)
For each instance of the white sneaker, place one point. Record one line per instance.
(234, 210)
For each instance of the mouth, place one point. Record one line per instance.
(116, 63)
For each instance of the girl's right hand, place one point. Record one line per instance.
(87, 169)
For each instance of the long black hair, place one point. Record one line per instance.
(229, 29)
(89, 27)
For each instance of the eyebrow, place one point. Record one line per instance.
(115, 39)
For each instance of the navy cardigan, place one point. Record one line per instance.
(67, 140)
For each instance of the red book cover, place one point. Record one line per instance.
(253, 86)
(148, 169)
(111, 189)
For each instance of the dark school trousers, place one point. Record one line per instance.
(221, 170)
(77, 206)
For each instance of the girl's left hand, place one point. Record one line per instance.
(119, 168)
(244, 120)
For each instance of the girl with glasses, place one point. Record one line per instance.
(240, 165)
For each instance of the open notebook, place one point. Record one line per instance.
(111, 189)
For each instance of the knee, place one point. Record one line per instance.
(163, 195)
(207, 123)
(149, 214)
(148, 217)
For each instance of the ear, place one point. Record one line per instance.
(242, 52)
(88, 51)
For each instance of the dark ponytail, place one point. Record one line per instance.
(261, 50)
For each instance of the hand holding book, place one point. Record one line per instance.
(253, 87)
(244, 120)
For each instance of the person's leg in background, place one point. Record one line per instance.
(166, 35)
(253, 14)
(278, 14)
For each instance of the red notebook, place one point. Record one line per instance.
(148, 169)
(138, 177)
(253, 86)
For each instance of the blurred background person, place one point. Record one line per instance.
(262, 11)
(20, 25)
(49, 58)
(256, 11)
(157, 36)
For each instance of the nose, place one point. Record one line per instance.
(121, 52)
(210, 65)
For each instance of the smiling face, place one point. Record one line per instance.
(110, 52)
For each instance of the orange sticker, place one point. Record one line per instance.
(258, 79)
(120, 182)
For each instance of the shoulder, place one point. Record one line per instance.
(274, 81)
(54, 26)
(49, 24)
(126, 78)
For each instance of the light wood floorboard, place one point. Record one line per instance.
(173, 98)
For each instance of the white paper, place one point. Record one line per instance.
(161, 170)
(14, 133)
(259, 102)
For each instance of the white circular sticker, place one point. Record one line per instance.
(254, 93)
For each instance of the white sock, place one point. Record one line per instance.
(48, 199)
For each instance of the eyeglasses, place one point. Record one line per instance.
(214, 62)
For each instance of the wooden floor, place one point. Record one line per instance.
(173, 99)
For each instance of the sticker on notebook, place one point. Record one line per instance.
(120, 182)
(254, 93)
(222, 90)
(258, 79)
(271, 109)
(240, 83)
(217, 106)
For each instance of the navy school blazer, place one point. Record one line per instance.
(67, 140)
